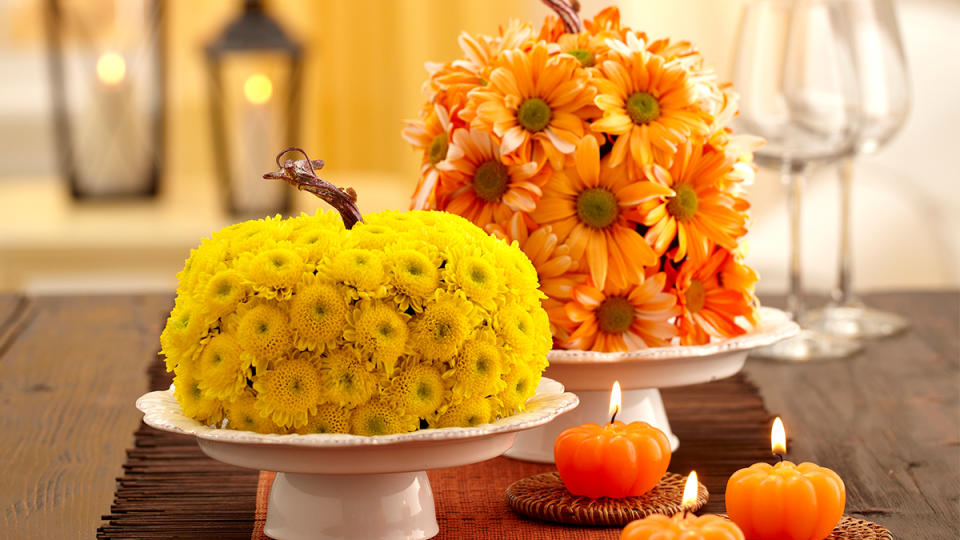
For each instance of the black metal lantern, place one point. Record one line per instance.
(106, 64)
(255, 71)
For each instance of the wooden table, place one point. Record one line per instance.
(71, 367)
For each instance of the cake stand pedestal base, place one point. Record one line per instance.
(391, 506)
(643, 405)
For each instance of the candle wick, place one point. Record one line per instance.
(780, 457)
(615, 411)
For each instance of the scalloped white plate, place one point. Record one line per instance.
(663, 367)
(351, 454)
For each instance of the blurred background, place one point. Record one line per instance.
(123, 122)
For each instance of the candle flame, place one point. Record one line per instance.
(690, 491)
(614, 400)
(778, 438)
(258, 89)
(111, 68)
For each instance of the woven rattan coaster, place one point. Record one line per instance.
(544, 497)
(851, 528)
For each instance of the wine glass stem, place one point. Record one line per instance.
(793, 179)
(842, 294)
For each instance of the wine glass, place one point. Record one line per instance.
(884, 103)
(794, 71)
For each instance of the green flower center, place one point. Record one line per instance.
(320, 310)
(385, 330)
(224, 289)
(424, 391)
(683, 205)
(376, 425)
(534, 114)
(696, 296)
(438, 148)
(490, 181)
(586, 58)
(643, 108)
(615, 315)
(597, 207)
(414, 269)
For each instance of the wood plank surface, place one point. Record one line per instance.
(70, 370)
(888, 420)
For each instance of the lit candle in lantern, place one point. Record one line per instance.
(683, 525)
(614, 460)
(108, 137)
(785, 501)
(258, 135)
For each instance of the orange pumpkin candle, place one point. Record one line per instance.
(683, 526)
(615, 460)
(785, 501)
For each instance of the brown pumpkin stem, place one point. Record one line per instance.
(567, 11)
(302, 174)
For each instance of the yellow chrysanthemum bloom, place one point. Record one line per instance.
(371, 236)
(418, 391)
(329, 418)
(318, 313)
(221, 368)
(346, 380)
(516, 327)
(521, 384)
(380, 418)
(315, 237)
(479, 280)
(242, 414)
(378, 330)
(414, 276)
(274, 272)
(289, 392)
(180, 340)
(224, 292)
(264, 331)
(472, 412)
(477, 369)
(193, 401)
(360, 268)
(443, 326)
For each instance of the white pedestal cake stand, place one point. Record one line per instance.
(351, 487)
(641, 373)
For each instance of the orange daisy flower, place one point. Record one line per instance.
(587, 205)
(477, 185)
(649, 103)
(698, 212)
(708, 306)
(556, 269)
(431, 136)
(535, 104)
(622, 318)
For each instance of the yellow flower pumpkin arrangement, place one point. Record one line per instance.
(372, 325)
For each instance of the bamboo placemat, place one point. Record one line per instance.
(170, 489)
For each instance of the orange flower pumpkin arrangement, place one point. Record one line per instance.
(607, 158)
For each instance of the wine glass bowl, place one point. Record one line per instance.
(795, 73)
(881, 71)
